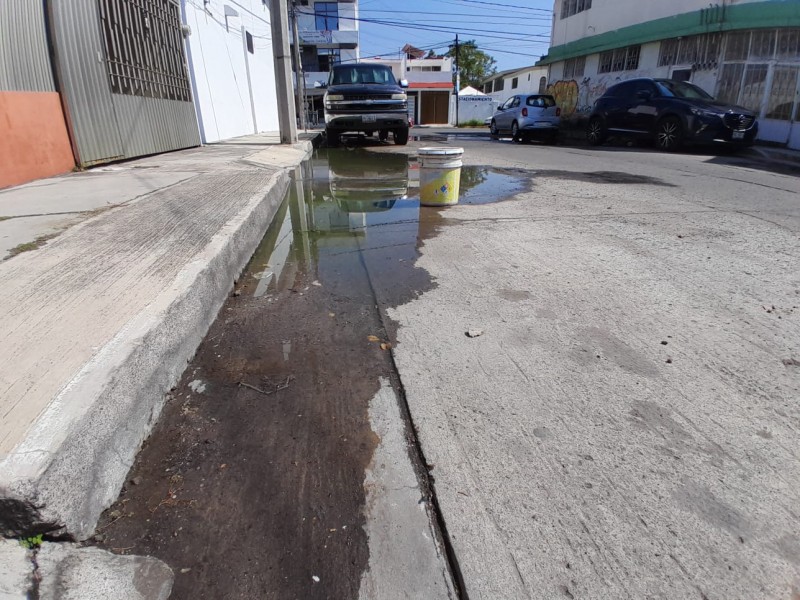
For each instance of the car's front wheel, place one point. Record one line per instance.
(595, 132)
(493, 130)
(669, 134)
(401, 136)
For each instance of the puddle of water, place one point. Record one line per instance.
(347, 203)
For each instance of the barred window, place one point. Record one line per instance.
(781, 95)
(604, 65)
(730, 83)
(687, 55)
(789, 43)
(754, 86)
(573, 7)
(737, 46)
(574, 67)
(144, 48)
(621, 59)
(632, 61)
(668, 53)
(763, 44)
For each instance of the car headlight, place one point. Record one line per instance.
(334, 97)
(402, 97)
(701, 112)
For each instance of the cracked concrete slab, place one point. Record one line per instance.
(69, 572)
(406, 559)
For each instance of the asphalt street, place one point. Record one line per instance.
(627, 424)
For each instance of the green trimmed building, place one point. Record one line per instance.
(745, 52)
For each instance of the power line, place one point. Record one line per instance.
(414, 25)
(544, 10)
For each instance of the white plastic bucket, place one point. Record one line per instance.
(439, 175)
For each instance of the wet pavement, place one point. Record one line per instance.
(253, 481)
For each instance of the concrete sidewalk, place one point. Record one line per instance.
(98, 322)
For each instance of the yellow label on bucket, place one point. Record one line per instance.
(439, 186)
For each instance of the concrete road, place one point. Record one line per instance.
(627, 424)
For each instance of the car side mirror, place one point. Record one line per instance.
(644, 95)
(404, 83)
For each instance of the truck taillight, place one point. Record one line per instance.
(558, 111)
(524, 112)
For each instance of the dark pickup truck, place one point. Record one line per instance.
(365, 98)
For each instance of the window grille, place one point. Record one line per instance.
(144, 48)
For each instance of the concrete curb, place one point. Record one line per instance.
(109, 409)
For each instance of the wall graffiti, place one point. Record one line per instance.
(576, 99)
(566, 96)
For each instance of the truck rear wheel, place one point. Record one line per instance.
(332, 138)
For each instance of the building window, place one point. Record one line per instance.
(699, 51)
(762, 45)
(668, 53)
(542, 85)
(621, 59)
(730, 81)
(144, 48)
(249, 40)
(574, 67)
(327, 16)
(632, 59)
(737, 46)
(573, 7)
(789, 43)
(499, 84)
(754, 86)
(782, 92)
(514, 83)
(327, 57)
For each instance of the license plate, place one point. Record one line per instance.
(368, 118)
(738, 135)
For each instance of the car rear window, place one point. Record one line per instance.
(541, 101)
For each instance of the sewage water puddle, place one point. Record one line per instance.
(253, 477)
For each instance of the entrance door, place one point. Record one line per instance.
(435, 108)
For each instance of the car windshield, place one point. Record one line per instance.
(681, 89)
(356, 74)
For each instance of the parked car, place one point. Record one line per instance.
(527, 117)
(366, 98)
(670, 113)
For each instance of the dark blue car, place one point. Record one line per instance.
(670, 113)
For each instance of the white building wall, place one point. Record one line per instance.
(229, 104)
(610, 15)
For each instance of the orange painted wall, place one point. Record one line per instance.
(33, 137)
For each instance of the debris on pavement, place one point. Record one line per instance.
(473, 333)
(791, 362)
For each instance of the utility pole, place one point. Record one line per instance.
(279, 23)
(300, 76)
(458, 79)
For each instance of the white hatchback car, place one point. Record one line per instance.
(527, 117)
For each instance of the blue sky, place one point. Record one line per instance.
(514, 32)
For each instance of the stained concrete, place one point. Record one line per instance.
(406, 559)
(99, 323)
(69, 572)
(16, 571)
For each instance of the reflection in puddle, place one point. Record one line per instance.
(345, 203)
